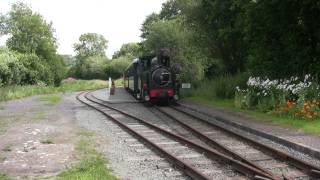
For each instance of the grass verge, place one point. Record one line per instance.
(92, 164)
(4, 176)
(17, 92)
(307, 126)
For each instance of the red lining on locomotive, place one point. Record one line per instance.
(156, 92)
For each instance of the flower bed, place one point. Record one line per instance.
(291, 97)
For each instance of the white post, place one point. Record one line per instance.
(109, 82)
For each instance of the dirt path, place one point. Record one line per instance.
(37, 136)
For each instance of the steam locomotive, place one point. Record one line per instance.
(150, 78)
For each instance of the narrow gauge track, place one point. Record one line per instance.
(188, 165)
(246, 150)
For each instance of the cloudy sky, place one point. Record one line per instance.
(119, 21)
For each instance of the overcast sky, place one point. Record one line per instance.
(119, 21)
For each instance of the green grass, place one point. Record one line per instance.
(3, 176)
(307, 126)
(7, 148)
(17, 92)
(54, 99)
(92, 165)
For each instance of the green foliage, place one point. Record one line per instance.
(90, 57)
(33, 37)
(93, 68)
(219, 29)
(21, 69)
(284, 38)
(169, 10)
(130, 50)
(171, 34)
(222, 87)
(116, 67)
(253, 99)
(151, 19)
(90, 44)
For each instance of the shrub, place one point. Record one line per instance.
(11, 69)
(222, 87)
(23, 69)
(116, 67)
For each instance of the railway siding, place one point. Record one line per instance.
(298, 141)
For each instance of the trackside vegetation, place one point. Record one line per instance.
(92, 164)
(257, 57)
(17, 92)
(264, 100)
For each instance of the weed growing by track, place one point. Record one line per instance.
(17, 92)
(92, 163)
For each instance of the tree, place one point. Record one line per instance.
(171, 34)
(93, 67)
(89, 45)
(31, 34)
(284, 38)
(151, 19)
(169, 10)
(131, 50)
(116, 67)
(219, 26)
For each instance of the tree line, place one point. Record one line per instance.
(207, 38)
(278, 38)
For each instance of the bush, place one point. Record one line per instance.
(222, 87)
(116, 67)
(12, 70)
(36, 70)
(22, 69)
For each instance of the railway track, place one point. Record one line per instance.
(185, 155)
(203, 158)
(246, 150)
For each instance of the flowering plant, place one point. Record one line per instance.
(297, 98)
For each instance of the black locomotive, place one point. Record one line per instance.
(151, 79)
